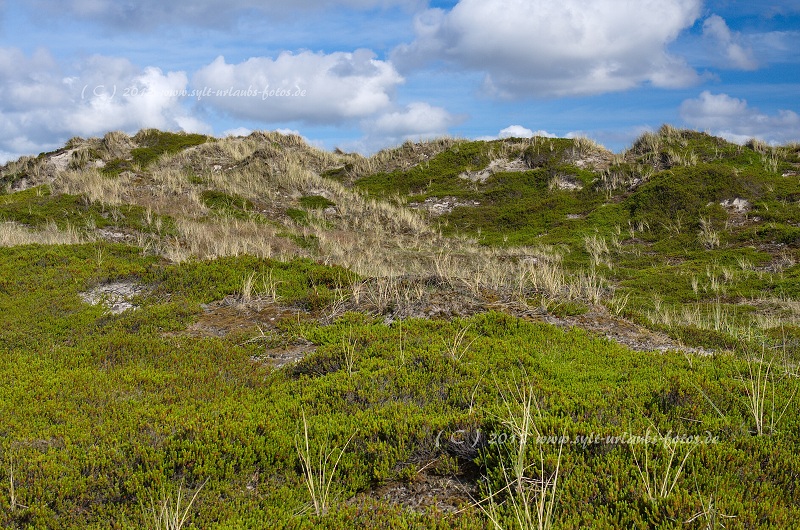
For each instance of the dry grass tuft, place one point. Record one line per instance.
(13, 234)
(95, 186)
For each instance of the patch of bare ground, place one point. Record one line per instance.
(440, 474)
(117, 296)
(600, 322)
(230, 315)
(792, 173)
(499, 165)
(433, 297)
(566, 182)
(782, 258)
(398, 299)
(290, 354)
(596, 160)
(738, 212)
(406, 297)
(427, 491)
(117, 236)
(37, 171)
(441, 205)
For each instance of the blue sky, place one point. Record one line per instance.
(366, 74)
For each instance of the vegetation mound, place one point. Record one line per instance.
(522, 333)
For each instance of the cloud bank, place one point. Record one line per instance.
(565, 48)
(314, 88)
(40, 105)
(734, 120)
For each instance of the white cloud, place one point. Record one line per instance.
(288, 132)
(238, 131)
(545, 48)
(417, 119)
(518, 131)
(309, 87)
(732, 119)
(40, 107)
(774, 46)
(736, 54)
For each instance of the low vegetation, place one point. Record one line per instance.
(524, 333)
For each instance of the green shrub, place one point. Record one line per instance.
(153, 143)
(114, 167)
(315, 202)
(227, 204)
(298, 216)
(673, 200)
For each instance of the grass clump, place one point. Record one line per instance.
(319, 469)
(760, 382)
(171, 514)
(530, 488)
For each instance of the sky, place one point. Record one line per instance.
(362, 75)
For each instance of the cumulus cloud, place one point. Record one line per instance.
(238, 131)
(518, 131)
(734, 120)
(314, 88)
(545, 48)
(149, 14)
(417, 119)
(40, 106)
(735, 53)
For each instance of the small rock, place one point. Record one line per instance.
(738, 204)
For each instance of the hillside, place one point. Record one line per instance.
(521, 333)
